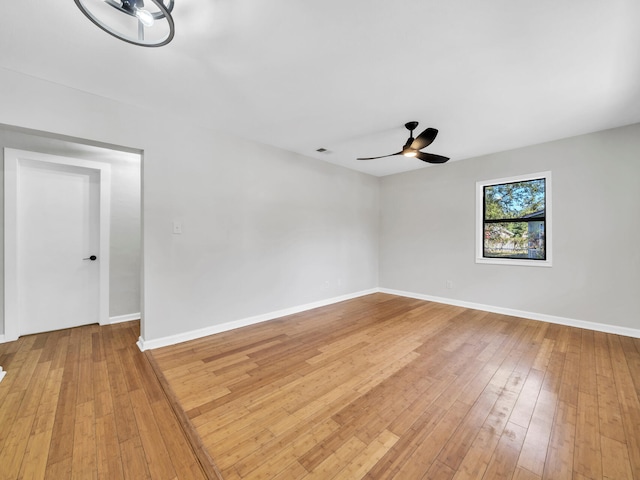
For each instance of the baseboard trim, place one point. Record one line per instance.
(224, 327)
(124, 318)
(2, 374)
(6, 339)
(570, 322)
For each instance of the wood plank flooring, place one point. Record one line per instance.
(383, 387)
(379, 387)
(84, 403)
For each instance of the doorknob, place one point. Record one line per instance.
(92, 258)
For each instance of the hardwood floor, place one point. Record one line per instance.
(85, 404)
(385, 387)
(379, 387)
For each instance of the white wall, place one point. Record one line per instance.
(266, 230)
(427, 231)
(263, 229)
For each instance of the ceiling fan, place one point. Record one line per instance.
(414, 145)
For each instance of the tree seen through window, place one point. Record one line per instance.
(514, 220)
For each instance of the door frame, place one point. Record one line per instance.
(12, 164)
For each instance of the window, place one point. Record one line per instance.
(513, 220)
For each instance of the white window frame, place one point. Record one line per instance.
(480, 258)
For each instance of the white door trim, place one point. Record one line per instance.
(12, 163)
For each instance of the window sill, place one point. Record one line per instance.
(514, 261)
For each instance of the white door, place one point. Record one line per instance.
(58, 227)
(57, 231)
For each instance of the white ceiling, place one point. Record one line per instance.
(347, 75)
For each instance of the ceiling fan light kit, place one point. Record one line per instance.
(413, 146)
(147, 23)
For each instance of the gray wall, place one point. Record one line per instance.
(263, 229)
(125, 268)
(126, 242)
(427, 231)
(266, 229)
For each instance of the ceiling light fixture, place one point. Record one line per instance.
(148, 24)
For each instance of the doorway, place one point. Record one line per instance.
(57, 212)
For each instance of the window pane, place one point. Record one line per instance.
(514, 200)
(515, 240)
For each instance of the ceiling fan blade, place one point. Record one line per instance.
(383, 156)
(431, 158)
(408, 144)
(424, 139)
